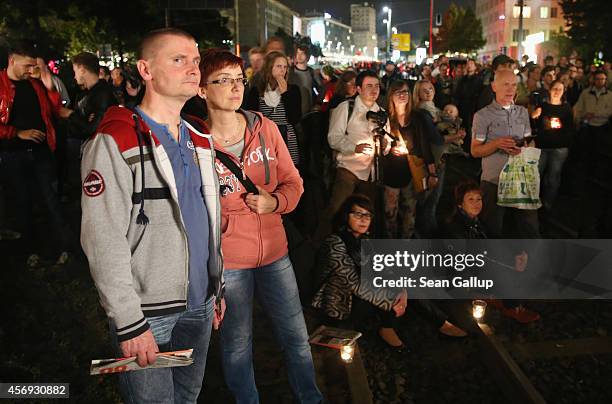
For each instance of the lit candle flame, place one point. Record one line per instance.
(555, 123)
(478, 309)
(346, 353)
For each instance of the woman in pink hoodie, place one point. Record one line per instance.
(258, 183)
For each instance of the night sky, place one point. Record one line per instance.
(403, 10)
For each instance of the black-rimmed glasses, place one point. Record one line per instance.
(228, 81)
(361, 215)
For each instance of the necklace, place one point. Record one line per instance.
(234, 138)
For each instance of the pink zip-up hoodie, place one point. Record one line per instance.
(249, 239)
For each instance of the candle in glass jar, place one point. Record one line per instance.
(555, 123)
(478, 309)
(347, 352)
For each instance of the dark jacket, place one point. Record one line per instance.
(89, 110)
(461, 226)
(466, 97)
(425, 135)
(290, 98)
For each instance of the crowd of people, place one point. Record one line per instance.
(194, 166)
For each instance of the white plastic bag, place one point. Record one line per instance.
(519, 181)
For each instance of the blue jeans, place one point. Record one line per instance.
(173, 332)
(277, 292)
(550, 167)
(427, 210)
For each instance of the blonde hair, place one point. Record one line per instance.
(416, 99)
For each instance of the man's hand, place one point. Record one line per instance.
(64, 112)
(508, 145)
(219, 314)
(143, 347)
(45, 74)
(364, 148)
(520, 262)
(34, 135)
(262, 203)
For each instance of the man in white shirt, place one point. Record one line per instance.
(351, 136)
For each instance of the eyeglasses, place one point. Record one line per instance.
(360, 215)
(227, 81)
(401, 93)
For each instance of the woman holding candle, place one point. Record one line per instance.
(344, 299)
(400, 196)
(554, 120)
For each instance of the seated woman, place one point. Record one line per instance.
(464, 224)
(344, 299)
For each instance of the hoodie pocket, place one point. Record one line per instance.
(159, 262)
(227, 228)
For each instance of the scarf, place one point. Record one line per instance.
(430, 107)
(272, 97)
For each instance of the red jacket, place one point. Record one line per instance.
(50, 104)
(251, 240)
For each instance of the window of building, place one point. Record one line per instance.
(544, 12)
(515, 34)
(553, 12)
(516, 12)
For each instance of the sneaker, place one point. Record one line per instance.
(521, 314)
(8, 234)
(33, 261)
(63, 258)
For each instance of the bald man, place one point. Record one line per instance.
(497, 132)
(151, 224)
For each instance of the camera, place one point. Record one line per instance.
(379, 118)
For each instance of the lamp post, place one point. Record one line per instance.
(431, 7)
(519, 53)
(388, 20)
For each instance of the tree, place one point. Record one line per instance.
(461, 31)
(588, 22)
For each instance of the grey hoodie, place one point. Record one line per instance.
(135, 241)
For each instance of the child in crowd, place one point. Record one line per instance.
(450, 125)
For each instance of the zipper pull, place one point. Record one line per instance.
(242, 169)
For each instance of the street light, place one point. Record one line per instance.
(388, 22)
